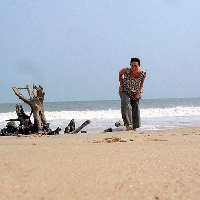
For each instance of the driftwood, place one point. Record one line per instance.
(55, 132)
(25, 126)
(36, 104)
(70, 127)
(11, 129)
(40, 125)
(80, 127)
(23, 118)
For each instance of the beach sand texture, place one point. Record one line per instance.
(117, 165)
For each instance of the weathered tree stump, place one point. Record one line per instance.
(36, 104)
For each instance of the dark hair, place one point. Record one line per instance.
(135, 60)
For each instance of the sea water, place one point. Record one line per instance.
(156, 114)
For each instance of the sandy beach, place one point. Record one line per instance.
(117, 165)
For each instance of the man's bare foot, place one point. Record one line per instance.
(128, 128)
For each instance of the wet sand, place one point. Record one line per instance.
(117, 165)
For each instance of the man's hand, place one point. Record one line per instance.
(121, 89)
(137, 96)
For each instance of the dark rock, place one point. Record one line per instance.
(108, 130)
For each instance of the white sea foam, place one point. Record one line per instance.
(101, 114)
(152, 118)
(112, 114)
(170, 112)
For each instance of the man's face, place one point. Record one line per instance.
(134, 66)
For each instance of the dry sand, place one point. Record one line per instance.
(144, 165)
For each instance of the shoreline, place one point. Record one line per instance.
(149, 164)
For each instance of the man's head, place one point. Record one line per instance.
(135, 60)
(135, 64)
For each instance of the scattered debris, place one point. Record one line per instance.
(110, 140)
(83, 131)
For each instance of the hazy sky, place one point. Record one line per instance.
(75, 48)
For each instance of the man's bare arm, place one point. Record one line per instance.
(121, 73)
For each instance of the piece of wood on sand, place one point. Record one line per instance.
(80, 127)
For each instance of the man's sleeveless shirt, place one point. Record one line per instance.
(132, 85)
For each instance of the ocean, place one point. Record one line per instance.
(156, 114)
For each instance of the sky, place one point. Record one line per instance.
(75, 49)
